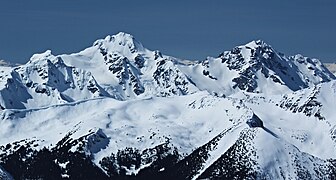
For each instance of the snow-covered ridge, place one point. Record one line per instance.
(117, 109)
(120, 67)
(46, 80)
(258, 62)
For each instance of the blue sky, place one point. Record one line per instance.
(190, 29)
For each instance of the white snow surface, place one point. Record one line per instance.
(128, 122)
(137, 97)
(120, 67)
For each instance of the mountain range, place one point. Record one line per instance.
(331, 67)
(117, 110)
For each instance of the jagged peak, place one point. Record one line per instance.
(41, 56)
(121, 36)
(306, 60)
(256, 44)
(120, 42)
(302, 57)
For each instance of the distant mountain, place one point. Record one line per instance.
(331, 67)
(7, 64)
(257, 67)
(117, 110)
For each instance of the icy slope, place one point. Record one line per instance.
(119, 110)
(165, 119)
(208, 133)
(297, 117)
(122, 124)
(279, 145)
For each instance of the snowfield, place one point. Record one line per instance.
(120, 110)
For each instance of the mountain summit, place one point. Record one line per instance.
(258, 62)
(120, 67)
(122, 42)
(117, 110)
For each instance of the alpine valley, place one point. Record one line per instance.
(117, 110)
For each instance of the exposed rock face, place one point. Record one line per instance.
(117, 110)
(255, 121)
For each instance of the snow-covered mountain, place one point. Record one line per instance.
(46, 80)
(119, 110)
(124, 67)
(257, 67)
(7, 64)
(254, 67)
(120, 67)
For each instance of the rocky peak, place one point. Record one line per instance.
(295, 72)
(122, 43)
(41, 56)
